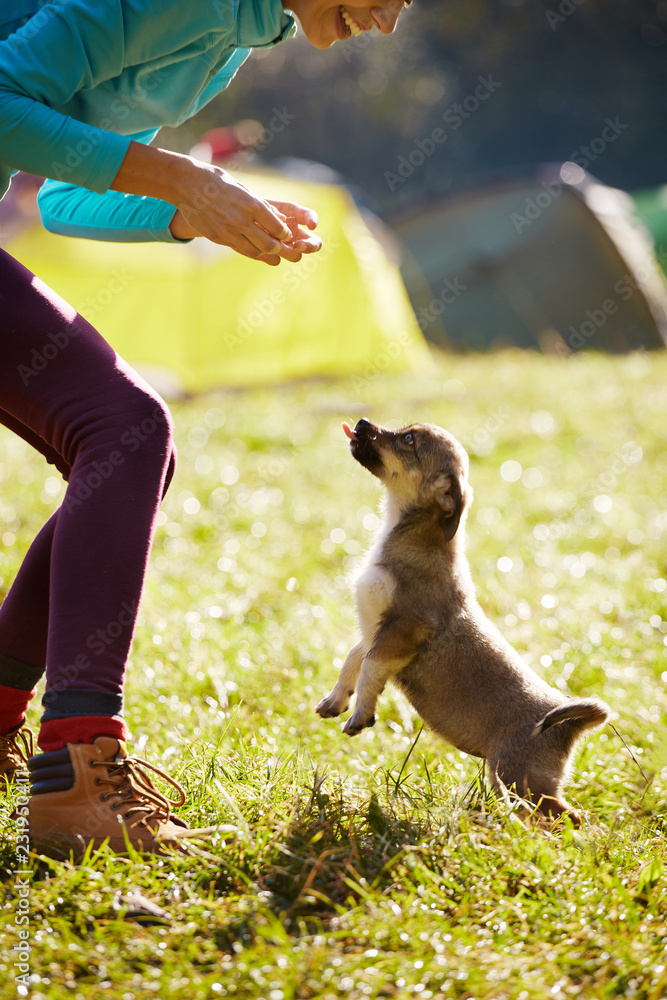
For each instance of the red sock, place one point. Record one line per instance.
(56, 733)
(13, 705)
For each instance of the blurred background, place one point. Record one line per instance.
(561, 67)
(493, 174)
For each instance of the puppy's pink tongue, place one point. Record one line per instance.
(348, 430)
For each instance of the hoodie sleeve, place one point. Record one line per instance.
(42, 67)
(69, 210)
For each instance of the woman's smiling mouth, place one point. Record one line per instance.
(351, 26)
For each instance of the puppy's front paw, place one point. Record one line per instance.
(332, 706)
(356, 723)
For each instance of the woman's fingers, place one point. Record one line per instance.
(247, 249)
(272, 223)
(306, 242)
(298, 214)
(226, 212)
(296, 218)
(290, 253)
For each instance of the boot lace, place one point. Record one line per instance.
(18, 744)
(133, 789)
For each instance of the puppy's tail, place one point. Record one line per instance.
(588, 712)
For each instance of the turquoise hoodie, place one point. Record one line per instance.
(79, 79)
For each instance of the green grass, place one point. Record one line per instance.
(378, 866)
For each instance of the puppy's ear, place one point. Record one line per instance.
(451, 499)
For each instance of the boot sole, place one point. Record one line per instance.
(60, 846)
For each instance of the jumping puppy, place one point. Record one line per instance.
(422, 627)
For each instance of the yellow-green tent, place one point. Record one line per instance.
(206, 317)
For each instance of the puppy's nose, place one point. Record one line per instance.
(363, 426)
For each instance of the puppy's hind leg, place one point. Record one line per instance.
(339, 699)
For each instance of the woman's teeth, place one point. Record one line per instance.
(349, 22)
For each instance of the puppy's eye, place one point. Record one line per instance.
(408, 438)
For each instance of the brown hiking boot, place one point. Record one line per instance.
(89, 793)
(16, 747)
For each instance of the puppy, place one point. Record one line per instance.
(422, 627)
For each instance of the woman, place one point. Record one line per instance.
(84, 87)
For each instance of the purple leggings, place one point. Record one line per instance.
(73, 605)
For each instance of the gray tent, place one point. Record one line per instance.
(559, 262)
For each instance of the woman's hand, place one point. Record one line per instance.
(298, 219)
(213, 204)
(225, 211)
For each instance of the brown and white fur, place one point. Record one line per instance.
(422, 628)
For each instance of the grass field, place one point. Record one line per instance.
(378, 866)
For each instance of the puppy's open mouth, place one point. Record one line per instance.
(360, 432)
(363, 446)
